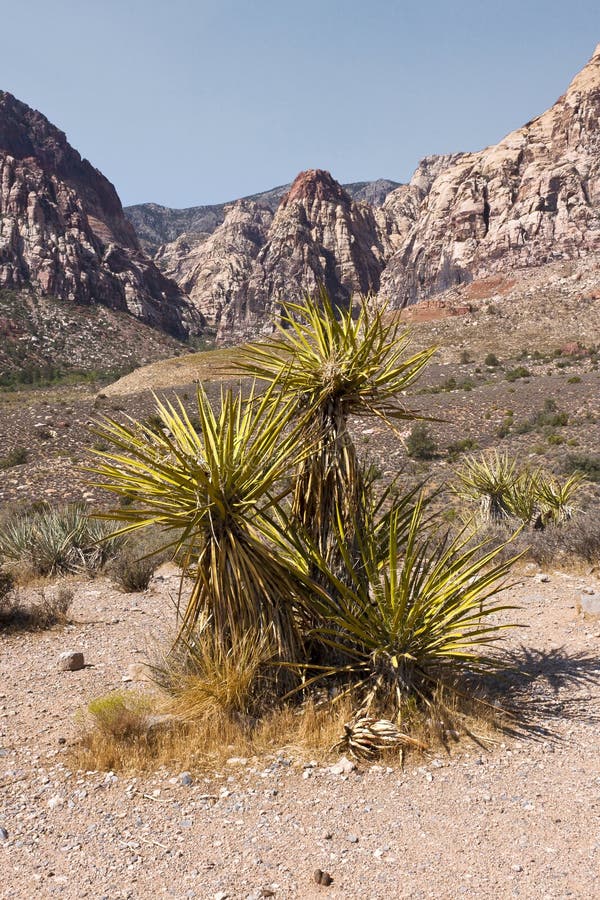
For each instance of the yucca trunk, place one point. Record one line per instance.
(329, 485)
(243, 586)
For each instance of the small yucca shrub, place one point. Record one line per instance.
(215, 490)
(504, 491)
(57, 540)
(426, 609)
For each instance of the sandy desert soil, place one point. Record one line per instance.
(521, 819)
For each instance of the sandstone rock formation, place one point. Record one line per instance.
(238, 275)
(213, 269)
(531, 199)
(156, 225)
(63, 232)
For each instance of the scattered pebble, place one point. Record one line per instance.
(343, 767)
(70, 661)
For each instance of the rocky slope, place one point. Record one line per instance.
(156, 225)
(63, 232)
(532, 199)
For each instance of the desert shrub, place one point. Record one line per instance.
(491, 360)
(15, 457)
(462, 446)
(53, 540)
(420, 443)
(122, 715)
(131, 572)
(516, 373)
(136, 561)
(550, 416)
(586, 463)
(49, 609)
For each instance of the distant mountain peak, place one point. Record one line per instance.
(316, 184)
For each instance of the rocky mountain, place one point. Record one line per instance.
(531, 199)
(63, 233)
(156, 225)
(255, 259)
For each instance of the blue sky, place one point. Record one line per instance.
(185, 102)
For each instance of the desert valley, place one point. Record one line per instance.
(300, 527)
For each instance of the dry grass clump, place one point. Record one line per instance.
(204, 676)
(49, 609)
(131, 732)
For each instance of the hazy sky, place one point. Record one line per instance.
(185, 102)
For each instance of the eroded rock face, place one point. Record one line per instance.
(214, 269)
(239, 275)
(531, 199)
(63, 231)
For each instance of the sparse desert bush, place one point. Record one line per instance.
(491, 360)
(15, 457)
(420, 443)
(49, 609)
(49, 541)
(462, 446)
(550, 416)
(569, 543)
(516, 373)
(586, 463)
(121, 714)
(136, 561)
(131, 572)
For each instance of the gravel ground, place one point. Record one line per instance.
(520, 820)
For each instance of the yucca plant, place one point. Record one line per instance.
(58, 539)
(489, 480)
(215, 488)
(332, 365)
(523, 496)
(531, 496)
(427, 610)
(556, 498)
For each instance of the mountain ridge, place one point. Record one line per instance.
(156, 224)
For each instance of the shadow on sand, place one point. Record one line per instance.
(538, 688)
